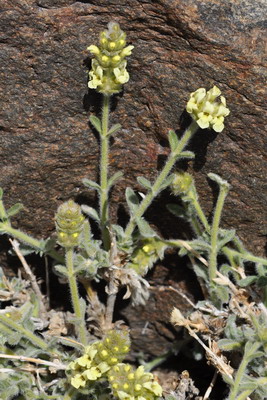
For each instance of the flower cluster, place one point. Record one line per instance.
(205, 110)
(98, 358)
(69, 223)
(108, 72)
(130, 384)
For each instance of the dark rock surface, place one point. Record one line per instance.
(47, 146)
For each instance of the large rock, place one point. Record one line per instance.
(47, 146)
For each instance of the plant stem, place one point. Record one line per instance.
(156, 188)
(244, 255)
(80, 325)
(104, 172)
(30, 241)
(241, 371)
(214, 232)
(26, 333)
(200, 213)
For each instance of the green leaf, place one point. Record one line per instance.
(173, 140)
(15, 209)
(244, 395)
(247, 281)
(115, 178)
(216, 178)
(227, 236)
(1, 193)
(227, 379)
(176, 210)
(91, 184)
(145, 229)
(144, 182)
(132, 199)
(220, 294)
(201, 271)
(115, 128)
(91, 212)
(96, 123)
(187, 154)
(229, 344)
(61, 270)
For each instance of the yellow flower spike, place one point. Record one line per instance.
(206, 110)
(108, 72)
(125, 386)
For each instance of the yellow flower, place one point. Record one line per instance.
(121, 74)
(78, 381)
(206, 110)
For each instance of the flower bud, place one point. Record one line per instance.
(69, 223)
(182, 183)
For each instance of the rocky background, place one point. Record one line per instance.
(47, 145)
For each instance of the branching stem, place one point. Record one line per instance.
(173, 157)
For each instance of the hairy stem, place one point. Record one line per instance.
(7, 320)
(80, 325)
(214, 232)
(200, 213)
(104, 212)
(161, 178)
(240, 373)
(28, 240)
(244, 255)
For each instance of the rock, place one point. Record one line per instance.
(47, 146)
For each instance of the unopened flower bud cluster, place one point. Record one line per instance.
(206, 110)
(130, 384)
(109, 72)
(69, 224)
(182, 183)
